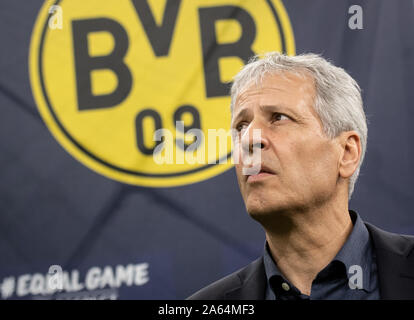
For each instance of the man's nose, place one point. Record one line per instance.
(253, 138)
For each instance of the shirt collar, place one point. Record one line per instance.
(356, 251)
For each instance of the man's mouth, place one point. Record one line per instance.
(264, 173)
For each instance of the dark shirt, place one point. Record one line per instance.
(337, 281)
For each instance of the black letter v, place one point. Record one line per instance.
(159, 36)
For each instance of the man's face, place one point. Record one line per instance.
(299, 164)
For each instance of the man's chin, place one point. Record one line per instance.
(260, 202)
(269, 216)
(259, 210)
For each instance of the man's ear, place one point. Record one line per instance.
(351, 153)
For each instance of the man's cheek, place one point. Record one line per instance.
(239, 175)
(239, 171)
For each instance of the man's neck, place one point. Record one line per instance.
(303, 243)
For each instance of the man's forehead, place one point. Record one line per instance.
(286, 85)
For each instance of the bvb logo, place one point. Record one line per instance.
(117, 71)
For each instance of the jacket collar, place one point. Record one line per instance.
(252, 283)
(395, 262)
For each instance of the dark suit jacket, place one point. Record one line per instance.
(395, 262)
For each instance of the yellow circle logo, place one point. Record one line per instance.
(126, 87)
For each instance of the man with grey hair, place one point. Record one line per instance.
(313, 137)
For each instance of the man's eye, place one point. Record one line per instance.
(279, 117)
(241, 126)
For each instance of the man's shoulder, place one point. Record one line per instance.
(400, 244)
(217, 290)
(222, 288)
(395, 260)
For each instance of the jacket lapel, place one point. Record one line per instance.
(395, 262)
(252, 283)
